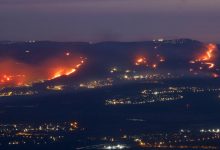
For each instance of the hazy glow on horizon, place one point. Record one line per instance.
(96, 20)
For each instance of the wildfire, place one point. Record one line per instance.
(141, 61)
(65, 70)
(12, 79)
(15, 73)
(208, 55)
(62, 72)
(207, 59)
(153, 63)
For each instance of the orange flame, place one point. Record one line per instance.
(207, 59)
(153, 63)
(210, 65)
(140, 61)
(62, 72)
(14, 73)
(208, 55)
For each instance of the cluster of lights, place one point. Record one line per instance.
(56, 87)
(113, 70)
(97, 83)
(118, 146)
(44, 133)
(183, 139)
(18, 93)
(157, 95)
(146, 96)
(210, 130)
(146, 76)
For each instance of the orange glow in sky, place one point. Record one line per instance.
(15, 73)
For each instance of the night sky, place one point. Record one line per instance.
(118, 20)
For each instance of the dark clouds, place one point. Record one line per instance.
(86, 20)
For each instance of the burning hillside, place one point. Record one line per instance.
(16, 73)
(207, 60)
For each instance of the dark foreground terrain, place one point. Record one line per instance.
(170, 114)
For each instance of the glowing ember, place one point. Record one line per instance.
(214, 75)
(67, 53)
(153, 62)
(140, 61)
(154, 66)
(210, 65)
